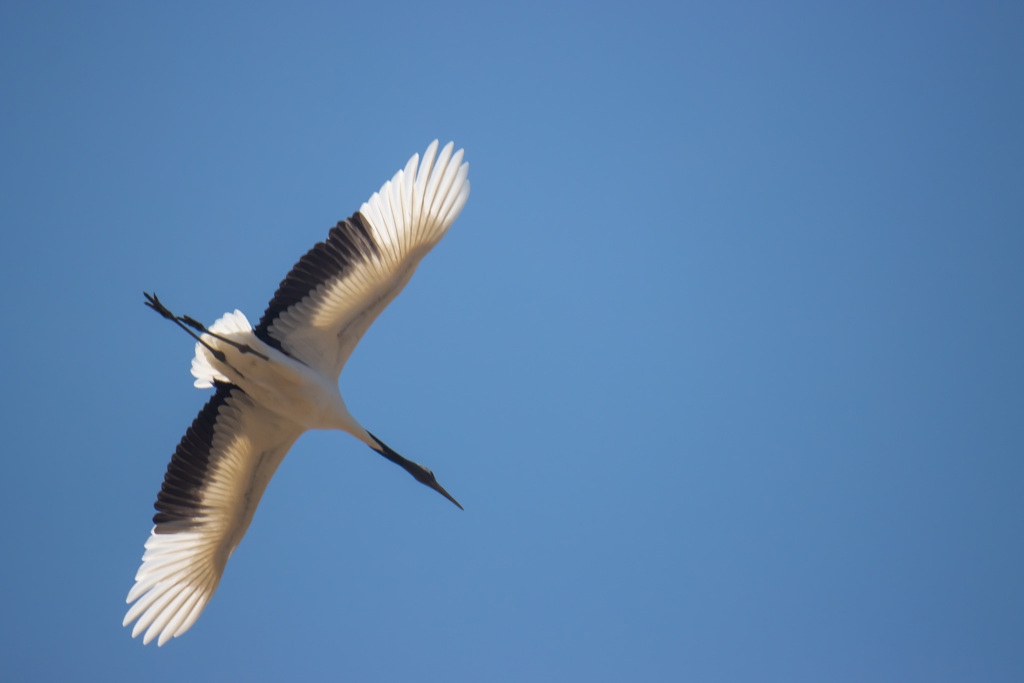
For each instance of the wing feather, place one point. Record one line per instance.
(339, 287)
(213, 484)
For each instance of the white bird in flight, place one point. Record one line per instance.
(279, 379)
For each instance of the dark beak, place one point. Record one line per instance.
(440, 489)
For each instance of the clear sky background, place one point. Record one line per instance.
(724, 356)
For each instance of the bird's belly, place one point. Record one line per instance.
(283, 385)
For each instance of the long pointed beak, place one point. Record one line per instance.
(440, 489)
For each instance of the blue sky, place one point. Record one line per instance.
(723, 356)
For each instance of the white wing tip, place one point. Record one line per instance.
(170, 592)
(421, 201)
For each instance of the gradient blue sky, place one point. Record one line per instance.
(723, 357)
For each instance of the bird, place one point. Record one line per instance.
(275, 381)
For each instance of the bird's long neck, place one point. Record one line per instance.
(408, 465)
(419, 472)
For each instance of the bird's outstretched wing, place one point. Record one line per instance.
(341, 285)
(212, 487)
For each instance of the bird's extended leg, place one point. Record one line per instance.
(185, 322)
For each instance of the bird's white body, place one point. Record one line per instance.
(280, 379)
(286, 387)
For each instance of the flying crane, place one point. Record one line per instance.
(279, 379)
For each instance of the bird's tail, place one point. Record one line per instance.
(206, 368)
